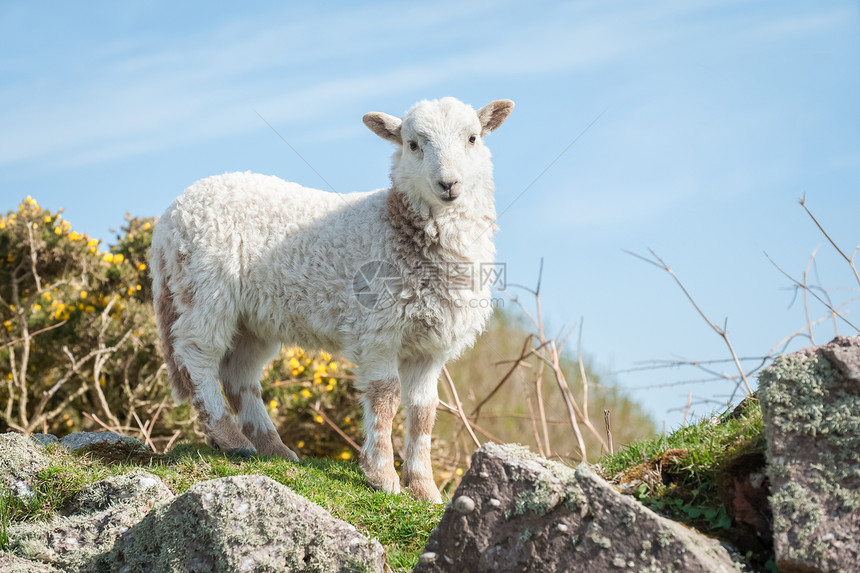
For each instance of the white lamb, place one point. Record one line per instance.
(242, 263)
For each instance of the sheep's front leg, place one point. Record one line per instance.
(420, 397)
(380, 401)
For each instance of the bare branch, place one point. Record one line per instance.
(608, 430)
(849, 260)
(336, 428)
(524, 354)
(582, 374)
(720, 331)
(805, 301)
(459, 406)
(833, 311)
(32, 335)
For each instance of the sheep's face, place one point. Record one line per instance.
(441, 158)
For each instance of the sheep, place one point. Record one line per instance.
(242, 263)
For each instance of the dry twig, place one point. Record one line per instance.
(459, 406)
(660, 264)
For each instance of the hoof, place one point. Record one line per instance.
(243, 453)
(424, 490)
(270, 444)
(281, 452)
(387, 481)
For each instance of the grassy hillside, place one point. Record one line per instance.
(399, 522)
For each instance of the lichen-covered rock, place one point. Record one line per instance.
(129, 489)
(20, 464)
(243, 523)
(527, 513)
(10, 563)
(78, 440)
(96, 518)
(45, 439)
(811, 405)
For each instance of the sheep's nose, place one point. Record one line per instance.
(448, 186)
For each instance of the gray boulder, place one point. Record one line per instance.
(10, 563)
(95, 519)
(20, 464)
(515, 511)
(45, 439)
(78, 440)
(243, 523)
(811, 405)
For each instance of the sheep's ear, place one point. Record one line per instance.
(494, 114)
(384, 125)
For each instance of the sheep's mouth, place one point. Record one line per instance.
(448, 197)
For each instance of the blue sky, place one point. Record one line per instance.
(716, 118)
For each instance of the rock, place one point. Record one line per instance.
(464, 504)
(20, 464)
(96, 518)
(811, 405)
(242, 523)
(45, 439)
(745, 492)
(78, 440)
(127, 489)
(532, 514)
(13, 564)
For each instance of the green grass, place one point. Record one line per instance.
(5, 517)
(399, 522)
(707, 442)
(683, 474)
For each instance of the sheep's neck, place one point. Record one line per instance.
(459, 238)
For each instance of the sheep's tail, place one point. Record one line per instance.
(166, 314)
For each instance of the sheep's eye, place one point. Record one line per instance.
(472, 139)
(413, 146)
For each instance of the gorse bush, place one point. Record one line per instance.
(308, 394)
(78, 334)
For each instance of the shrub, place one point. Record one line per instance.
(77, 333)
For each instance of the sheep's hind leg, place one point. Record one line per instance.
(380, 400)
(222, 432)
(240, 373)
(420, 399)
